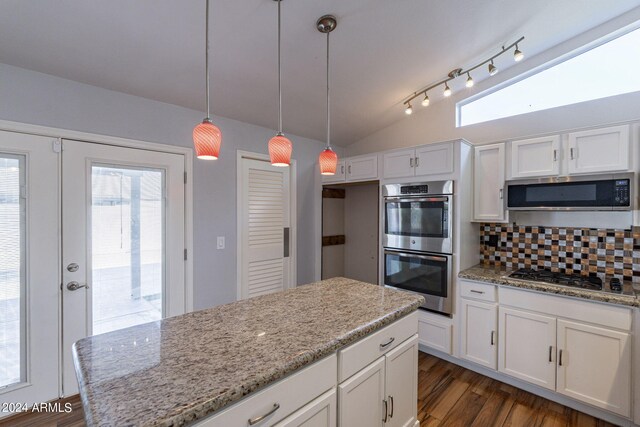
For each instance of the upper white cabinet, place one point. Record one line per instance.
(362, 168)
(432, 159)
(599, 150)
(488, 183)
(535, 157)
(339, 176)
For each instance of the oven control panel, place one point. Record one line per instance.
(621, 193)
(414, 189)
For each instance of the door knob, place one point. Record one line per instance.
(73, 267)
(74, 286)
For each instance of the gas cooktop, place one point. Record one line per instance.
(573, 280)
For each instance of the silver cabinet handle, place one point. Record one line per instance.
(493, 333)
(386, 411)
(74, 286)
(550, 353)
(571, 153)
(342, 169)
(387, 344)
(411, 162)
(349, 168)
(476, 292)
(256, 420)
(501, 193)
(560, 358)
(417, 161)
(391, 405)
(555, 155)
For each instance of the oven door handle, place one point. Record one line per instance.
(413, 255)
(417, 199)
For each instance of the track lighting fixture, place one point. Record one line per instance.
(457, 72)
(493, 70)
(469, 81)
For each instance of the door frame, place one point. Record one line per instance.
(293, 246)
(61, 134)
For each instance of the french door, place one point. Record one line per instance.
(91, 240)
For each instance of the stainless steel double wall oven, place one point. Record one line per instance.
(418, 240)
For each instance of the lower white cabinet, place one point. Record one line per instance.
(479, 332)
(594, 365)
(319, 413)
(384, 393)
(527, 346)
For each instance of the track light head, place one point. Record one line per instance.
(493, 70)
(518, 55)
(469, 80)
(447, 90)
(409, 109)
(425, 101)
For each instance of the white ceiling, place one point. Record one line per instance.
(381, 50)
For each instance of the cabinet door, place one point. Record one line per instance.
(436, 159)
(488, 204)
(599, 150)
(479, 332)
(321, 412)
(340, 175)
(360, 397)
(594, 366)
(402, 384)
(526, 346)
(535, 157)
(398, 164)
(362, 168)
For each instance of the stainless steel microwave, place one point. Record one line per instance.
(610, 192)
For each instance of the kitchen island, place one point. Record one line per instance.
(180, 370)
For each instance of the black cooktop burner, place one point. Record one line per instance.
(548, 276)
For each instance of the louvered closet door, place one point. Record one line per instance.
(265, 215)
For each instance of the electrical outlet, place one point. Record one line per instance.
(220, 242)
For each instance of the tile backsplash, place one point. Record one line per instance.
(586, 251)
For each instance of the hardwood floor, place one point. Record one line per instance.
(448, 395)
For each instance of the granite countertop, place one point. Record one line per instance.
(177, 370)
(629, 296)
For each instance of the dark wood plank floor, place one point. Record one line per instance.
(448, 395)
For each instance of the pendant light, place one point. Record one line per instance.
(207, 138)
(279, 146)
(328, 159)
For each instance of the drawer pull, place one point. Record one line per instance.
(476, 292)
(386, 411)
(256, 420)
(387, 344)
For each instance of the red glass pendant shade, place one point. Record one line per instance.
(328, 160)
(280, 149)
(206, 140)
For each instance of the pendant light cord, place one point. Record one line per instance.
(206, 56)
(279, 76)
(328, 106)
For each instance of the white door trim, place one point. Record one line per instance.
(293, 252)
(130, 143)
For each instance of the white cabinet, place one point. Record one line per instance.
(488, 203)
(321, 412)
(384, 393)
(599, 150)
(362, 168)
(339, 176)
(594, 365)
(360, 397)
(435, 331)
(478, 332)
(431, 159)
(527, 346)
(535, 157)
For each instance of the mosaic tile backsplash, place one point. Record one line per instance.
(586, 251)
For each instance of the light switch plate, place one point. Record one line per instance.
(220, 244)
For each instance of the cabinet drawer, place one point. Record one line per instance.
(435, 333)
(308, 384)
(479, 291)
(358, 355)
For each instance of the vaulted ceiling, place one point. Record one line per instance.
(381, 50)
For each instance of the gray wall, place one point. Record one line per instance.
(438, 121)
(36, 98)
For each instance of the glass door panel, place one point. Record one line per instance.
(127, 264)
(12, 271)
